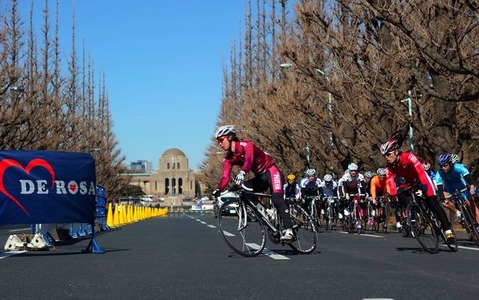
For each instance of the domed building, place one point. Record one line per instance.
(172, 179)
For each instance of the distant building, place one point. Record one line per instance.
(141, 166)
(172, 179)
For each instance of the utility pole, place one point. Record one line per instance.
(408, 100)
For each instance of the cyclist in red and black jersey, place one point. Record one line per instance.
(249, 157)
(408, 166)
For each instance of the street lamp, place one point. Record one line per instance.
(330, 108)
(411, 130)
(19, 89)
(308, 154)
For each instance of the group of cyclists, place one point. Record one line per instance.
(402, 169)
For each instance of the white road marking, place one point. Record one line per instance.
(274, 255)
(227, 233)
(10, 253)
(372, 235)
(364, 234)
(461, 247)
(268, 252)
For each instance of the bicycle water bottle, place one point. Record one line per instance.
(260, 209)
(270, 213)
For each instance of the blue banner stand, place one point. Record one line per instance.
(93, 246)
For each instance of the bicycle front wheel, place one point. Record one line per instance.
(241, 228)
(471, 225)
(422, 228)
(386, 213)
(305, 237)
(330, 217)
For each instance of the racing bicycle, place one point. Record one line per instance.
(379, 213)
(470, 223)
(331, 212)
(423, 222)
(312, 208)
(353, 217)
(245, 222)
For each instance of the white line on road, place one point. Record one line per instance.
(268, 252)
(10, 253)
(462, 247)
(274, 255)
(227, 233)
(372, 235)
(364, 234)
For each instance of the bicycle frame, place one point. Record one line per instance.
(244, 230)
(330, 211)
(249, 203)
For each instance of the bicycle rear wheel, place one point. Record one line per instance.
(330, 220)
(422, 228)
(241, 228)
(348, 224)
(305, 237)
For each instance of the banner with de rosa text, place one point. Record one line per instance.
(47, 187)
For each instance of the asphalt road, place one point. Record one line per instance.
(182, 256)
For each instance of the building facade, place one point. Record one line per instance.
(141, 166)
(172, 179)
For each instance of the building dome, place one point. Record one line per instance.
(173, 152)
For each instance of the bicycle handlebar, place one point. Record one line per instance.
(409, 188)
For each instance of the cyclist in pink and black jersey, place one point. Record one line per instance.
(249, 157)
(408, 166)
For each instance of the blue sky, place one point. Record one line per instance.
(163, 62)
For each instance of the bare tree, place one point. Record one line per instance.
(355, 70)
(43, 108)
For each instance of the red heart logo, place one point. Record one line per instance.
(37, 162)
(72, 187)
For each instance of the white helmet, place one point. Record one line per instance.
(352, 167)
(225, 130)
(426, 166)
(455, 158)
(311, 172)
(381, 171)
(328, 178)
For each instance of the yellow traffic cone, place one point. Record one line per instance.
(122, 214)
(128, 214)
(135, 214)
(109, 217)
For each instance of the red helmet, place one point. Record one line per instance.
(389, 146)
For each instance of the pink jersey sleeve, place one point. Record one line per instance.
(226, 174)
(248, 155)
